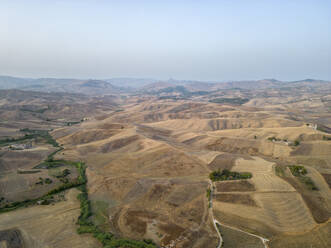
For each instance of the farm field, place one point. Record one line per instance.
(234, 239)
(148, 165)
(42, 226)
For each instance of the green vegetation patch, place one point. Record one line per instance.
(100, 212)
(280, 171)
(31, 134)
(273, 138)
(81, 180)
(70, 123)
(86, 225)
(15, 205)
(28, 171)
(50, 163)
(8, 141)
(58, 172)
(53, 164)
(228, 175)
(308, 182)
(296, 142)
(108, 240)
(39, 111)
(42, 134)
(48, 181)
(300, 172)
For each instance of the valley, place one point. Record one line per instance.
(140, 162)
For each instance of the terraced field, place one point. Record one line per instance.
(279, 205)
(264, 177)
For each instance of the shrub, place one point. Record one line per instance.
(208, 193)
(228, 175)
(308, 182)
(87, 226)
(48, 181)
(298, 170)
(86, 229)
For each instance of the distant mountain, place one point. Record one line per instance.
(309, 82)
(49, 109)
(133, 85)
(87, 87)
(7, 82)
(157, 86)
(95, 87)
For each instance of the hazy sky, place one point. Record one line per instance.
(203, 40)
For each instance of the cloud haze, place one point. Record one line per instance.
(203, 40)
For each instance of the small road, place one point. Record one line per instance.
(263, 240)
(215, 222)
(155, 134)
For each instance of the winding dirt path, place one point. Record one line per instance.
(212, 214)
(215, 222)
(184, 148)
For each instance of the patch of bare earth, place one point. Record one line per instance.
(236, 239)
(225, 161)
(327, 178)
(11, 238)
(319, 237)
(234, 186)
(314, 202)
(244, 199)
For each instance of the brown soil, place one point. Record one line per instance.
(315, 203)
(111, 126)
(83, 137)
(13, 160)
(239, 146)
(303, 149)
(242, 185)
(236, 239)
(173, 232)
(244, 199)
(186, 193)
(225, 161)
(117, 144)
(199, 239)
(195, 139)
(151, 131)
(249, 225)
(327, 178)
(318, 238)
(137, 220)
(12, 238)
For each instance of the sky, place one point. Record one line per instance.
(197, 40)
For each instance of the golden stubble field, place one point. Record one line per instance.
(148, 168)
(48, 226)
(149, 165)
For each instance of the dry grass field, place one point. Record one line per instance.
(46, 226)
(148, 163)
(235, 239)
